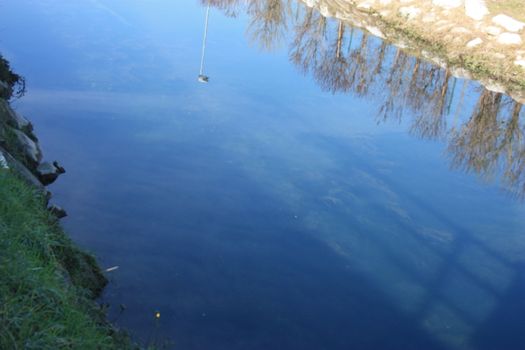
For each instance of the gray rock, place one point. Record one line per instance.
(49, 172)
(10, 117)
(57, 211)
(30, 148)
(19, 168)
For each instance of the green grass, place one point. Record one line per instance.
(47, 285)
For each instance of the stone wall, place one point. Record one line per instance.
(454, 34)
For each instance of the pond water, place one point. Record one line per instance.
(323, 191)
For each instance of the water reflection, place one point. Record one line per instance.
(485, 138)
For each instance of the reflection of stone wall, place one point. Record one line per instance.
(396, 21)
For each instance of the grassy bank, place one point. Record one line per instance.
(47, 284)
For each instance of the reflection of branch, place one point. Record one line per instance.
(485, 143)
(475, 145)
(268, 23)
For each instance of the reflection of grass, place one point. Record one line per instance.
(47, 283)
(513, 8)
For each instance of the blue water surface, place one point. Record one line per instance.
(257, 211)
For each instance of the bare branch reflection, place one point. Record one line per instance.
(486, 136)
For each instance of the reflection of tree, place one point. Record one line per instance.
(491, 141)
(343, 59)
(268, 22)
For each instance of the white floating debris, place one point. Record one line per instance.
(112, 268)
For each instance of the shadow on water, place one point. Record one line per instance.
(499, 325)
(486, 138)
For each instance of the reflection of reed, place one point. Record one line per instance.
(489, 142)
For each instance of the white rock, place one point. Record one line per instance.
(448, 4)
(476, 9)
(508, 23)
(410, 12)
(430, 17)
(462, 30)
(509, 39)
(494, 31)
(385, 2)
(311, 3)
(325, 11)
(375, 31)
(474, 42)
(520, 63)
(459, 72)
(405, 1)
(365, 5)
(493, 86)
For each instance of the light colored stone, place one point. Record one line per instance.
(385, 2)
(325, 11)
(474, 42)
(31, 148)
(460, 30)
(364, 5)
(405, 1)
(459, 72)
(520, 63)
(491, 30)
(509, 23)
(498, 55)
(409, 12)
(476, 9)
(509, 39)
(429, 17)
(375, 31)
(448, 4)
(493, 86)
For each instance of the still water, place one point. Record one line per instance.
(324, 191)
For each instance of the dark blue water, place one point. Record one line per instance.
(263, 211)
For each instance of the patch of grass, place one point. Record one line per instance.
(47, 284)
(513, 8)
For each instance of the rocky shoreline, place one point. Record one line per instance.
(29, 222)
(457, 35)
